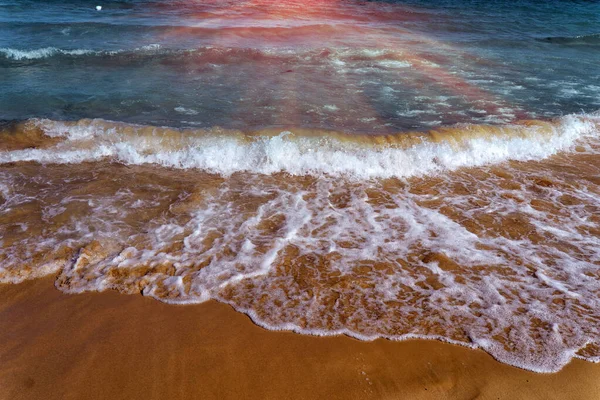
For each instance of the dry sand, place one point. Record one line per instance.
(113, 346)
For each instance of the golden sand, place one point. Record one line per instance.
(113, 346)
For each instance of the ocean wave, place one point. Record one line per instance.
(48, 52)
(589, 40)
(16, 54)
(391, 58)
(237, 34)
(296, 151)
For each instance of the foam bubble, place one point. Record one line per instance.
(186, 111)
(395, 64)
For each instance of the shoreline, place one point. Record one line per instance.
(109, 345)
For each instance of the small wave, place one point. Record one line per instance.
(588, 40)
(48, 52)
(16, 54)
(389, 58)
(296, 151)
(207, 55)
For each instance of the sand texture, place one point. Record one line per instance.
(113, 346)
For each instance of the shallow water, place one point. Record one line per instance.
(344, 65)
(379, 169)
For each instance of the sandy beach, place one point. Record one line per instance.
(113, 346)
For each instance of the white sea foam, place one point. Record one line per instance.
(226, 154)
(379, 232)
(16, 54)
(186, 111)
(395, 64)
(47, 52)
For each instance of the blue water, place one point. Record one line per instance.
(347, 65)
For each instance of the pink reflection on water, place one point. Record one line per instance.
(317, 24)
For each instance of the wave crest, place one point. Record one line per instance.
(48, 52)
(297, 151)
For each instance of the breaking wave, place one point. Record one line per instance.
(296, 151)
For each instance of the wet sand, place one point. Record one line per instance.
(114, 346)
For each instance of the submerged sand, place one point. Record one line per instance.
(114, 346)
